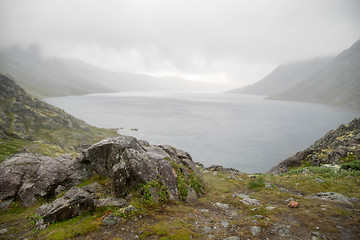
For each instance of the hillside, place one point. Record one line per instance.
(50, 77)
(28, 124)
(283, 77)
(338, 146)
(337, 84)
(43, 77)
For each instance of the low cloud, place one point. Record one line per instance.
(221, 41)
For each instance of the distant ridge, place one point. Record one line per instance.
(337, 84)
(50, 77)
(283, 77)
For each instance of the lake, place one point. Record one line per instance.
(245, 132)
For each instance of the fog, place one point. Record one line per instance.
(220, 41)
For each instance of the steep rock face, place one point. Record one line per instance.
(31, 176)
(331, 148)
(130, 163)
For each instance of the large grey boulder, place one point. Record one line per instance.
(130, 162)
(73, 203)
(31, 176)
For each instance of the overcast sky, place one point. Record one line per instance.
(228, 41)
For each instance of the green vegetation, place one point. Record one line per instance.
(191, 180)
(154, 192)
(256, 183)
(73, 227)
(174, 229)
(351, 166)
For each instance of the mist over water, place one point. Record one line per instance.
(244, 132)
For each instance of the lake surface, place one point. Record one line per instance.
(244, 132)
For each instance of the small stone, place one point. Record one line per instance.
(247, 200)
(283, 232)
(252, 176)
(225, 224)
(2, 231)
(268, 185)
(232, 238)
(204, 210)
(319, 180)
(284, 190)
(5, 204)
(270, 208)
(222, 206)
(289, 199)
(207, 229)
(110, 220)
(235, 178)
(255, 230)
(259, 216)
(293, 204)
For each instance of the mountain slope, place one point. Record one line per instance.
(28, 124)
(49, 77)
(283, 77)
(336, 147)
(45, 77)
(337, 84)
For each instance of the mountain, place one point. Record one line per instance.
(28, 124)
(49, 77)
(45, 77)
(283, 77)
(336, 84)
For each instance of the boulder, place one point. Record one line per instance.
(73, 203)
(31, 176)
(130, 163)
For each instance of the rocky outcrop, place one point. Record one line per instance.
(131, 163)
(330, 149)
(32, 176)
(163, 172)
